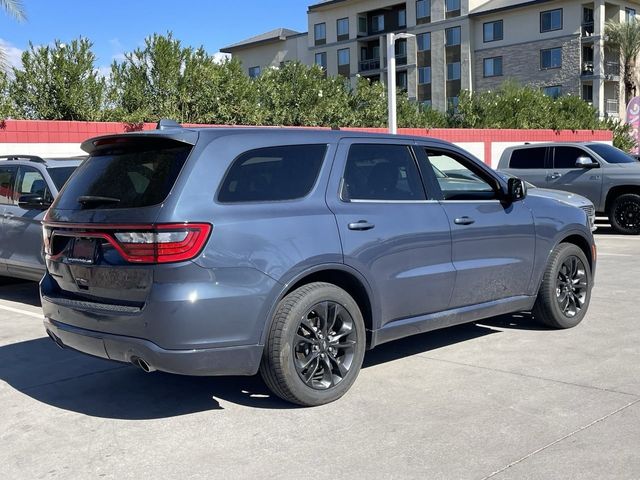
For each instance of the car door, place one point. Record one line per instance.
(566, 176)
(493, 244)
(530, 164)
(7, 186)
(390, 232)
(23, 228)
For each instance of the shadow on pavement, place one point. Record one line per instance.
(72, 381)
(22, 291)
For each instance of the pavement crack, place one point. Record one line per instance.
(509, 372)
(535, 452)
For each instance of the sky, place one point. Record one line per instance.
(118, 26)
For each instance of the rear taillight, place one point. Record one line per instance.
(161, 243)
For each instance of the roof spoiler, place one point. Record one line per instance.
(166, 123)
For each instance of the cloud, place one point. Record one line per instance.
(104, 71)
(12, 54)
(220, 57)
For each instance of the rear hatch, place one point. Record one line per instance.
(100, 235)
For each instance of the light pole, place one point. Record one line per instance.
(391, 78)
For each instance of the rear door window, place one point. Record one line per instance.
(565, 157)
(381, 172)
(138, 175)
(60, 175)
(7, 184)
(273, 174)
(31, 182)
(528, 158)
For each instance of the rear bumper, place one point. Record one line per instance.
(238, 360)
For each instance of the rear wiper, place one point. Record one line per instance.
(85, 200)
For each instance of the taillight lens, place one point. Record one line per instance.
(162, 243)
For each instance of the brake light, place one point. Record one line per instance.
(161, 243)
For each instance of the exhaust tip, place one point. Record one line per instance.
(142, 364)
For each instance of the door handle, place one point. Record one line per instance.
(361, 225)
(464, 221)
(554, 176)
(8, 215)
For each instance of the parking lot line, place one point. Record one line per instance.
(21, 311)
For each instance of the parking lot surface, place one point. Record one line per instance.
(503, 399)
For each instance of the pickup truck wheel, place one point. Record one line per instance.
(624, 214)
(565, 291)
(316, 345)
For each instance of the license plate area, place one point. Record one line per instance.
(83, 251)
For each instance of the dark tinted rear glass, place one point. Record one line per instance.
(527, 158)
(566, 157)
(60, 175)
(273, 174)
(138, 175)
(611, 154)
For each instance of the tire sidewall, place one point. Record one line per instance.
(612, 218)
(298, 388)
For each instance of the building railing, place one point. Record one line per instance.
(587, 68)
(587, 29)
(371, 64)
(612, 106)
(611, 68)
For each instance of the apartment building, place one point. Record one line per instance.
(555, 45)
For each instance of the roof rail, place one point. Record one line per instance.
(167, 123)
(30, 158)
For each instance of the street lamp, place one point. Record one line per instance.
(391, 78)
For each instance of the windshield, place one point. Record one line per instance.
(611, 154)
(60, 175)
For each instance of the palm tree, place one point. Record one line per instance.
(625, 36)
(13, 8)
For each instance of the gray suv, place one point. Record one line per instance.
(291, 252)
(604, 174)
(28, 185)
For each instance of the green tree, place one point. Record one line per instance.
(625, 37)
(58, 82)
(15, 9)
(6, 106)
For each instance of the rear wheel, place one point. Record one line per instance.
(624, 214)
(316, 345)
(565, 291)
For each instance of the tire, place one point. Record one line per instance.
(558, 289)
(312, 367)
(624, 214)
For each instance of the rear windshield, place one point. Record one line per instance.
(60, 175)
(611, 154)
(140, 175)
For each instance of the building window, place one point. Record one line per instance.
(492, 67)
(320, 33)
(254, 72)
(424, 41)
(452, 104)
(321, 60)
(452, 7)
(423, 11)
(362, 26)
(426, 104)
(551, 58)
(453, 71)
(343, 29)
(551, 20)
(401, 80)
(424, 75)
(553, 91)
(344, 57)
(587, 93)
(452, 36)
(630, 14)
(377, 23)
(402, 18)
(492, 31)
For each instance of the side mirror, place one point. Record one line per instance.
(586, 162)
(516, 189)
(33, 202)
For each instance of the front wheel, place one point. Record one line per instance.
(565, 291)
(316, 345)
(624, 214)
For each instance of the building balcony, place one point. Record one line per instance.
(612, 69)
(612, 107)
(587, 68)
(368, 65)
(587, 30)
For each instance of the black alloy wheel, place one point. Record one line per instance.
(571, 286)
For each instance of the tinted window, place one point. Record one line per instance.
(138, 175)
(7, 184)
(381, 172)
(31, 182)
(60, 175)
(565, 157)
(272, 174)
(551, 20)
(457, 180)
(527, 158)
(611, 154)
